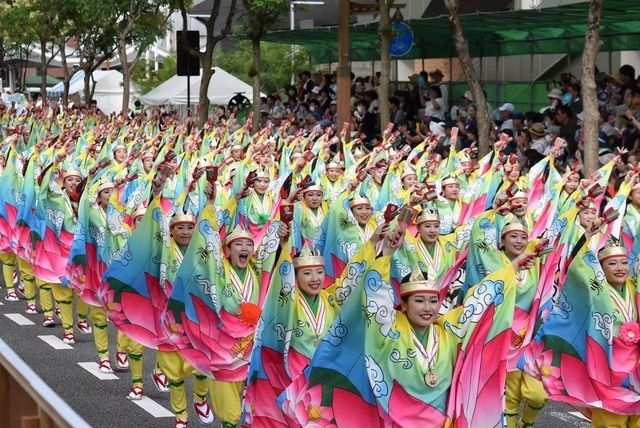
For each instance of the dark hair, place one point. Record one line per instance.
(628, 70)
(565, 109)
(437, 90)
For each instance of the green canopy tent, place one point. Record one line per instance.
(34, 80)
(553, 30)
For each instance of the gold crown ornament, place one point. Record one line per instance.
(238, 233)
(148, 154)
(427, 216)
(315, 187)
(180, 217)
(407, 172)
(519, 194)
(262, 173)
(613, 248)
(118, 147)
(417, 283)
(449, 179)
(105, 185)
(72, 173)
(308, 258)
(514, 226)
(335, 163)
(360, 200)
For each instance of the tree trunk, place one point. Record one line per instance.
(126, 74)
(589, 101)
(67, 76)
(43, 70)
(87, 86)
(462, 46)
(203, 101)
(256, 70)
(384, 32)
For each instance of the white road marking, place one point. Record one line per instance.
(579, 415)
(92, 368)
(571, 417)
(153, 408)
(19, 319)
(55, 342)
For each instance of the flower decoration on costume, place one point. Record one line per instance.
(630, 333)
(249, 313)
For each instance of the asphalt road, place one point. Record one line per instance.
(103, 403)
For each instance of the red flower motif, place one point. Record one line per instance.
(629, 333)
(249, 313)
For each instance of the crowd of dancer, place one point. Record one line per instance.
(302, 282)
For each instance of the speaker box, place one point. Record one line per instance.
(188, 65)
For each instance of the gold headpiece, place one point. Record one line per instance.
(417, 283)
(449, 180)
(427, 216)
(182, 218)
(315, 187)
(238, 233)
(514, 226)
(589, 203)
(519, 194)
(261, 173)
(360, 200)
(148, 154)
(335, 163)
(105, 186)
(407, 172)
(464, 157)
(308, 258)
(613, 248)
(73, 173)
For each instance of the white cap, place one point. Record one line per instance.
(555, 93)
(507, 107)
(468, 95)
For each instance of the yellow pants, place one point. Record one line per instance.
(82, 308)
(520, 386)
(177, 369)
(226, 400)
(98, 318)
(45, 293)
(8, 260)
(134, 351)
(27, 279)
(603, 419)
(64, 301)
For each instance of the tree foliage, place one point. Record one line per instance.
(147, 78)
(279, 62)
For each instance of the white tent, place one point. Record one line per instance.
(107, 93)
(222, 87)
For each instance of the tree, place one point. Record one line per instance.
(462, 46)
(262, 15)
(139, 24)
(94, 25)
(276, 60)
(147, 78)
(385, 32)
(206, 57)
(589, 100)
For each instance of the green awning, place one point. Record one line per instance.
(34, 81)
(553, 30)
